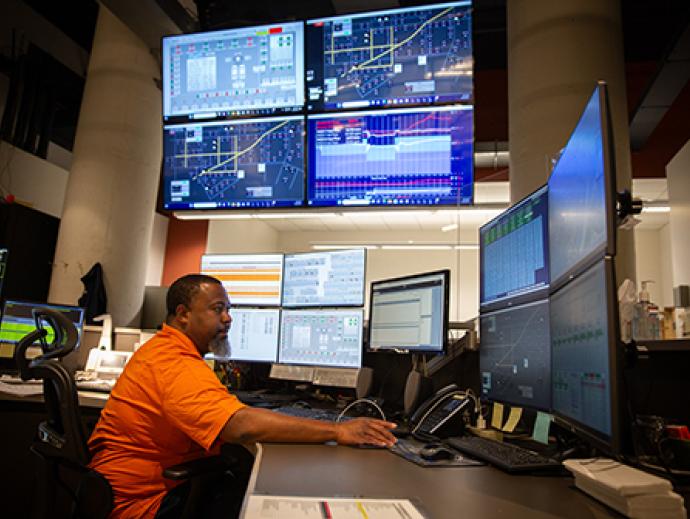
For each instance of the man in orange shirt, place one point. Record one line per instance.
(168, 406)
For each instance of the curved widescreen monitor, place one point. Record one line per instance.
(515, 355)
(514, 253)
(586, 356)
(582, 194)
(395, 157)
(412, 55)
(410, 313)
(327, 338)
(251, 163)
(249, 70)
(249, 279)
(327, 278)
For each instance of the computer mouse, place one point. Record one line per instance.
(435, 452)
(401, 431)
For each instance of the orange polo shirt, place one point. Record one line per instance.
(167, 407)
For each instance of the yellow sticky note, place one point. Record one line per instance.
(497, 416)
(513, 419)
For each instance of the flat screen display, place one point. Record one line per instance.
(254, 335)
(410, 313)
(398, 157)
(249, 279)
(514, 251)
(251, 163)
(328, 278)
(413, 55)
(249, 70)
(515, 355)
(328, 338)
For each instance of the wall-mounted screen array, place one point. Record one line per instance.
(330, 338)
(329, 278)
(234, 164)
(414, 55)
(415, 157)
(249, 279)
(410, 313)
(250, 70)
(515, 355)
(514, 252)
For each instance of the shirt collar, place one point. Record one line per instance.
(181, 337)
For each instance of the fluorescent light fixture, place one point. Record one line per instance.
(449, 227)
(467, 246)
(417, 247)
(342, 246)
(293, 216)
(656, 209)
(180, 215)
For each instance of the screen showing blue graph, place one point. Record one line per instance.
(410, 157)
(514, 250)
(250, 70)
(577, 196)
(580, 351)
(228, 164)
(414, 55)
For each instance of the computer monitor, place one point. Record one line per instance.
(515, 355)
(324, 278)
(254, 335)
(586, 357)
(250, 279)
(514, 254)
(252, 163)
(248, 70)
(327, 338)
(18, 321)
(413, 55)
(394, 157)
(582, 194)
(410, 314)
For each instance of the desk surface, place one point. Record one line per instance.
(91, 399)
(443, 492)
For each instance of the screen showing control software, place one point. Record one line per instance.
(409, 157)
(249, 70)
(254, 334)
(409, 313)
(413, 55)
(580, 350)
(329, 278)
(245, 163)
(515, 355)
(328, 338)
(514, 251)
(249, 279)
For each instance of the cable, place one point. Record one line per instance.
(358, 401)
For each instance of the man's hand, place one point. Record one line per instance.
(365, 431)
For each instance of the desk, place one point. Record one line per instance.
(443, 493)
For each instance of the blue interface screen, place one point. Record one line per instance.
(411, 157)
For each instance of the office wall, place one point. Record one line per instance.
(678, 175)
(240, 236)
(156, 256)
(185, 244)
(650, 265)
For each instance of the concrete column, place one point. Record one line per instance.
(556, 53)
(111, 193)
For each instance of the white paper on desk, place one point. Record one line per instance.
(21, 389)
(285, 507)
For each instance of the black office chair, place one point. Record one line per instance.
(64, 481)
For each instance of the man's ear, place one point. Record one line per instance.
(182, 314)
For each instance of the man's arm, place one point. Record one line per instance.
(250, 425)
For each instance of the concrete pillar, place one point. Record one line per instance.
(556, 53)
(111, 193)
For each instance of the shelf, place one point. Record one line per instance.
(663, 345)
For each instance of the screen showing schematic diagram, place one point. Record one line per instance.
(414, 55)
(250, 70)
(227, 164)
(329, 338)
(412, 157)
(515, 355)
(249, 279)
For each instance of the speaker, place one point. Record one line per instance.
(365, 378)
(417, 389)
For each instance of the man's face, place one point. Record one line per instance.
(207, 320)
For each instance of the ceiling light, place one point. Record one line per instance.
(449, 227)
(656, 209)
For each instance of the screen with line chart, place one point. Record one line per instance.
(413, 157)
(242, 163)
(515, 355)
(414, 55)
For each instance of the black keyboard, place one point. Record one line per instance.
(325, 415)
(262, 397)
(505, 456)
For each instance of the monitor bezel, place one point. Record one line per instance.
(613, 444)
(239, 254)
(233, 358)
(326, 306)
(523, 296)
(445, 273)
(343, 311)
(608, 247)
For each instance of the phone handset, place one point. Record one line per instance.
(436, 412)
